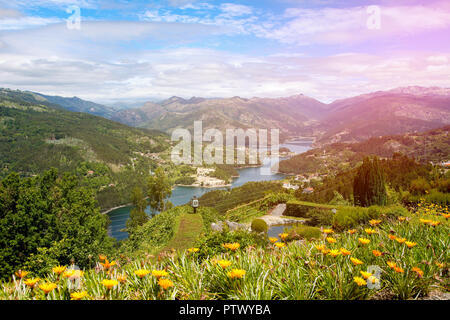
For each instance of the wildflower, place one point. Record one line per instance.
(410, 244)
(109, 283)
(165, 283)
(232, 246)
(236, 274)
(331, 240)
(425, 221)
(47, 287)
(21, 274)
(224, 263)
(377, 253)
(320, 247)
(373, 279)
(400, 240)
(283, 236)
(279, 245)
(31, 282)
(398, 269)
(107, 265)
(356, 261)
(374, 222)
(193, 250)
(391, 264)
(392, 237)
(102, 257)
(363, 240)
(58, 269)
(141, 272)
(359, 281)
(334, 253)
(122, 278)
(401, 219)
(327, 231)
(344, 251)
(68, 273)
(78, 295)
(440, 265)
(365, 274)
(435, 223)
(273, 240)
(370, 231)
(351, 231)
(159, 273)
(446, 215)
(418, 271)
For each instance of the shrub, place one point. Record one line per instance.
(304, 232)
(276, 198)
(419, 186)
(319, 217)
(296, 208)
(259, 225)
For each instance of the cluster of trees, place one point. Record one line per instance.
(369, 185)
(49, 219)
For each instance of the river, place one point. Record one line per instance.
(182, 195)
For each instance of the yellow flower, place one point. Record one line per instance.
(373, 279)
(47, 287)
(363, 240)
(359, 281)
(159, 273)
(356, 261)
(236, 274)
(410, 244)
(232, 246)
(418, 271)
(193, 250)
(279, 245)
(374, 222)
(283, 236)
(273, 240)
(21, 274)
(78, 295)
(391, 264)
(320, 247)
(370, 231)
(400, 240)
(109, 283)
(331, 240)
(435, 223)
(440, 265)
(224, 263)
(425, 221)
(351, 231)
(327, 231)
(334, 252)
(401, 219)
(365, 274)
(122, 278)
(344, 251)
(58, 269)
(141, 272)
(377, 253)
(165, 283)
(31, 282)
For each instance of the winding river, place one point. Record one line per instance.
(182, 195)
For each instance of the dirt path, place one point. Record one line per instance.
(275, 216)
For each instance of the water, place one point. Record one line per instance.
(182, 195)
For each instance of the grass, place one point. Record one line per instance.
(188, 227)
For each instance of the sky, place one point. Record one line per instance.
(133, 51)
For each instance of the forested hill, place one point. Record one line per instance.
(35, 137)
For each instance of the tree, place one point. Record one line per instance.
(159, 188)
(137, 215)
(369, 185)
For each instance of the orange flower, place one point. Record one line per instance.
(400, 240)
(418, 271)
(370, 231)
(356, 261)
(58, 269)
(102, 257)
(351, 231)
(410, 244)
(331, 240)
(159, 273)
(334, 253)
(345, 252)
(398, 269)
(365, 274)
(327, 231)
(440, 265)
(109, 283)
(279, 245)
(363, 240)
(377, 253)
(31, 282)
(141, 272)
(232, 246)
(47, 287)
(21, 274)
(391, 264)
(392, 237)
(122, 278)
(165, 283)
(236, 274)
(273, 240)
(224, 263)
(374, 222)
(401, 219)
(106, 265)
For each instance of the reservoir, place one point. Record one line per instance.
(182, 195)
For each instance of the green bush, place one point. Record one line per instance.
(259, 225)
(295, 208)
(319, 217)
(303, 232)
(349, 217)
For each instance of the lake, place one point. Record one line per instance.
(182, 195)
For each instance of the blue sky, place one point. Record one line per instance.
(128, 51)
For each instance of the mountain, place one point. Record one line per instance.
(430, 146)
(107, 155)
(397, 111)
(292, 115)
(74, 104)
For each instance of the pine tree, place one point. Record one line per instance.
(369, 185)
